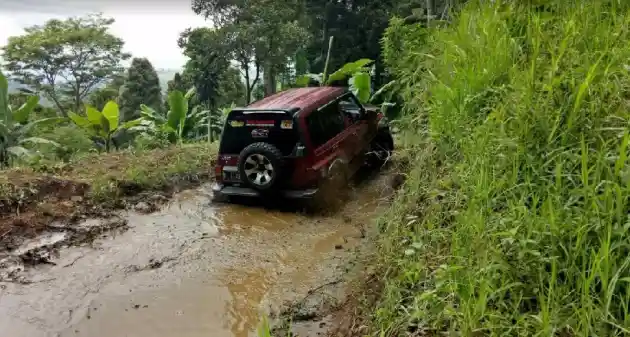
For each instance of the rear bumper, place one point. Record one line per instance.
(229, 191)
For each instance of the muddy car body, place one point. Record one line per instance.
(292, 143)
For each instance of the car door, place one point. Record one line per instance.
(329, 138)
(354, 112)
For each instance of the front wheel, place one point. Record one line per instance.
(381, 149)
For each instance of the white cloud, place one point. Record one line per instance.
(146, 34)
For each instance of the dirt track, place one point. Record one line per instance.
(191, 269)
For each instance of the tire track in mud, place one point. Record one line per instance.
(194, 269)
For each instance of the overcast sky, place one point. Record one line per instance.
(150, 28)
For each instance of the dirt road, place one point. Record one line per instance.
(193, 268)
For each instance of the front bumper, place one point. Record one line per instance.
(230, 191)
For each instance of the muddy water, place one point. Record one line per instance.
(192, 269)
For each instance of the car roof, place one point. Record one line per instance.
(300, 98)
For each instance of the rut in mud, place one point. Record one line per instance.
(193, 268)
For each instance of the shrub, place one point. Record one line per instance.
(515, 217)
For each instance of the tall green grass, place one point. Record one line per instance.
(514, 220)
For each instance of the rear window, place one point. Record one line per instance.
(244, 128)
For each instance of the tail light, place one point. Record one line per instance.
(224, 160)
(218, 173)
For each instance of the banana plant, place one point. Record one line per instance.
(179, 122)
(102, 125)
(15, 126)
(216, 121)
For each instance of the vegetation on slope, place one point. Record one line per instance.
(515, 215)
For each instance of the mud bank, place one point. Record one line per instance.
(191, 269)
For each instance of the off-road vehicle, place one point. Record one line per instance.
(293, 143)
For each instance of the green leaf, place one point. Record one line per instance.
(93, 115)
(4, 130)
(80, 121)
(4, 95)
(179, 110)
(38, 140)
(131, 124)
(383, 89)
(22, 113)
(112, 114)
(190, 93)
(18, 151)
(348, 70)
(106, 126)
(305, 80)
(360, 86)
(24, 130)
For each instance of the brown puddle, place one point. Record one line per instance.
(192, 269)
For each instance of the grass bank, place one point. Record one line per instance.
(514, 218)
(30, 198)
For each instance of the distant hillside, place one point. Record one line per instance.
(164, 76)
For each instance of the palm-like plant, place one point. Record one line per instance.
(180, 121)
(15, 126)
(102, 125)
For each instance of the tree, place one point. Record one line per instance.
(265, 33)
(206, 65)
(65, 59)
(142, 86)
(232, 90)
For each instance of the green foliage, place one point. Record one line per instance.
(260, 32)
(102, 125)
(141, 86)
(78, 50)
(15, 126)
(180, 122)
(355, 73)
(177, 83)
(232, 89)
(206, 65)
(514, 217)
(109, 92)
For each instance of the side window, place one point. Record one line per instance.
(325, 124)
(350, 107)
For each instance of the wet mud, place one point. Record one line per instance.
(192, 268)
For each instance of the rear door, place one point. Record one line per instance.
(329, 136)
(243, 128)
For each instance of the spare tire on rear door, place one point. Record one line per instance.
(260, 166)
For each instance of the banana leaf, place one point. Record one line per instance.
(112, 114)
(348, 70)
(22, 114)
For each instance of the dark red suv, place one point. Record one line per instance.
(293, 142)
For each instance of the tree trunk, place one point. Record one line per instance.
(270, 81)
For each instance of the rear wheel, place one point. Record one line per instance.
(260, 166)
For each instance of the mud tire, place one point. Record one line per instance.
(270, 156)
(381, 149)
